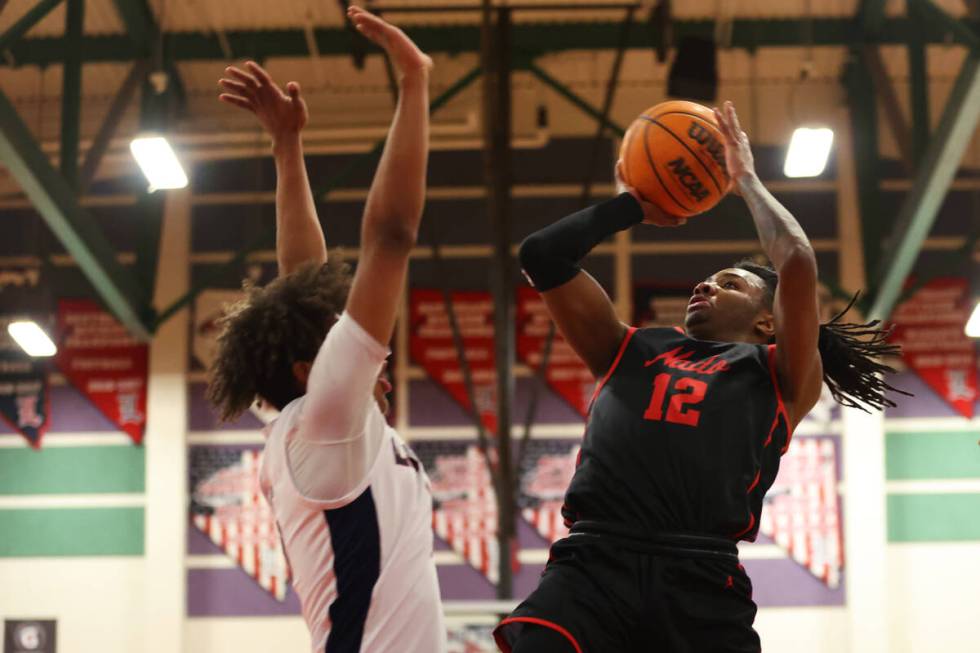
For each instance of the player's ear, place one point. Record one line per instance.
(301, 371)
(765, 324)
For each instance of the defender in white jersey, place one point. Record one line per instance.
(352, 503)
(354, 507)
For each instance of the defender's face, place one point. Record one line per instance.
(728, 301)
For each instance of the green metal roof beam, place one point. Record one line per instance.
(871, 15)
(56, 202)
(26, 22)
(918, 90)
(570, 95)
(145, 36)
(139, 22)
(529, 38)
(962, 33)
(918, 212)
(862, 107)
(71, 93)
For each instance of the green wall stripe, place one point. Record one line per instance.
(933, 517)
(926, 455)
(72, 470)
(71, 532)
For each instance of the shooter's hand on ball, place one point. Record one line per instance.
(738, 151)
(652, 214)
(283, 114)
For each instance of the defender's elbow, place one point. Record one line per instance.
(395, 237)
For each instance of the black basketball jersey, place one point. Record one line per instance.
(683, 436)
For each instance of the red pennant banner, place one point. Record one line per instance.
(431, 346)
(100, 358)
(566, 373)
(929, 327)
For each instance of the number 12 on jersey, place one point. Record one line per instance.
(687, 392)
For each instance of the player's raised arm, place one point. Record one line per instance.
(580, 307)
(283, 114)
(347, 374)
(395, 201)
(796, 309)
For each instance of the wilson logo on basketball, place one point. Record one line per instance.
(688, 179)
(706, 139)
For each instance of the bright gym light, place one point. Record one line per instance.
(158, 162)
(973, 324)
(808, 151)
(31, 338)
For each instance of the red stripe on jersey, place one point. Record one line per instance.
(747, 528)
(755, 481)
(780, 406)
(612, 368)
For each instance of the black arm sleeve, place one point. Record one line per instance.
(550, 257)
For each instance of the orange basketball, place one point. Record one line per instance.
(674, 155)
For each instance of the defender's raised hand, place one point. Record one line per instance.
(405, 56)
(738, 151)
(281, 113)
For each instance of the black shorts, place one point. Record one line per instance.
(607, 595)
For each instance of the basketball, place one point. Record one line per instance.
(674, 155)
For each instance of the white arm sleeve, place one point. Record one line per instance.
(337, 438)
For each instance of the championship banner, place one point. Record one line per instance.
(464, 504)
(566, 373)
(546, 470)
(801, 511)
(228, 506)
(929, 328)
(24, 398)
(100, 358)
(431, 346)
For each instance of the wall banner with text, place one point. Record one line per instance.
(100, 358)
(566, 374)
(929, 328)
(431, 346)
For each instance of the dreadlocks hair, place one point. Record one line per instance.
(273, 327)
(850, 352)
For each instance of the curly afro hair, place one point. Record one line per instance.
(273, 327)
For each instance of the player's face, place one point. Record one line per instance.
(381, 389)
(725, 306)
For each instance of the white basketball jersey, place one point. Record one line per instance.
(362, 565)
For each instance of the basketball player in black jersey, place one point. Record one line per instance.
(685, 431)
